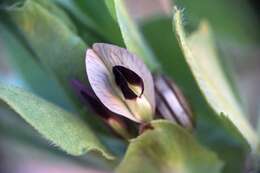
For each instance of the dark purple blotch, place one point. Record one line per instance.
(123, 76)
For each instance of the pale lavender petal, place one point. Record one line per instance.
(162, 109)
(112, 55)
(100, 81)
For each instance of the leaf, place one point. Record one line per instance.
(58, 12)
(60, 127)
(56, 50)
(201, 56)
(133, 39)
(168, 148)
(53, 45)
(226, 18)
(86, 27)
(32, 73)
(111, 8)
(214, 131)
(232, 24)
(94, 20)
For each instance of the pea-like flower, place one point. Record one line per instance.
(121, 81)
(121, 85)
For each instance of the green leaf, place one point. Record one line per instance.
(56, 49)
(94, 20)
(111, 8)
(201, 56)
(168, 148)
(215, 132)
(232, 24)
(133, 39)
(24, 64)
(58, 12)
(86, 27)
(52, 43)
(62, 128)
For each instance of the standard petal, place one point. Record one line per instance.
(99, 79)
(112, 55)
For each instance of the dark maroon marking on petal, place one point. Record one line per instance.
(123, 76)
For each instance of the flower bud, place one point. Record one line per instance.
(171, 103)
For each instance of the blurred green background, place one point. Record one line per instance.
(236, 25)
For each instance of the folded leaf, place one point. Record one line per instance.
(215, 132)
(232, 24)
(62, 128)
(168, 148)
(200, 54)
(133, 39)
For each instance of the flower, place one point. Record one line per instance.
(121, 85)
(171, 103)
(121, 82)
